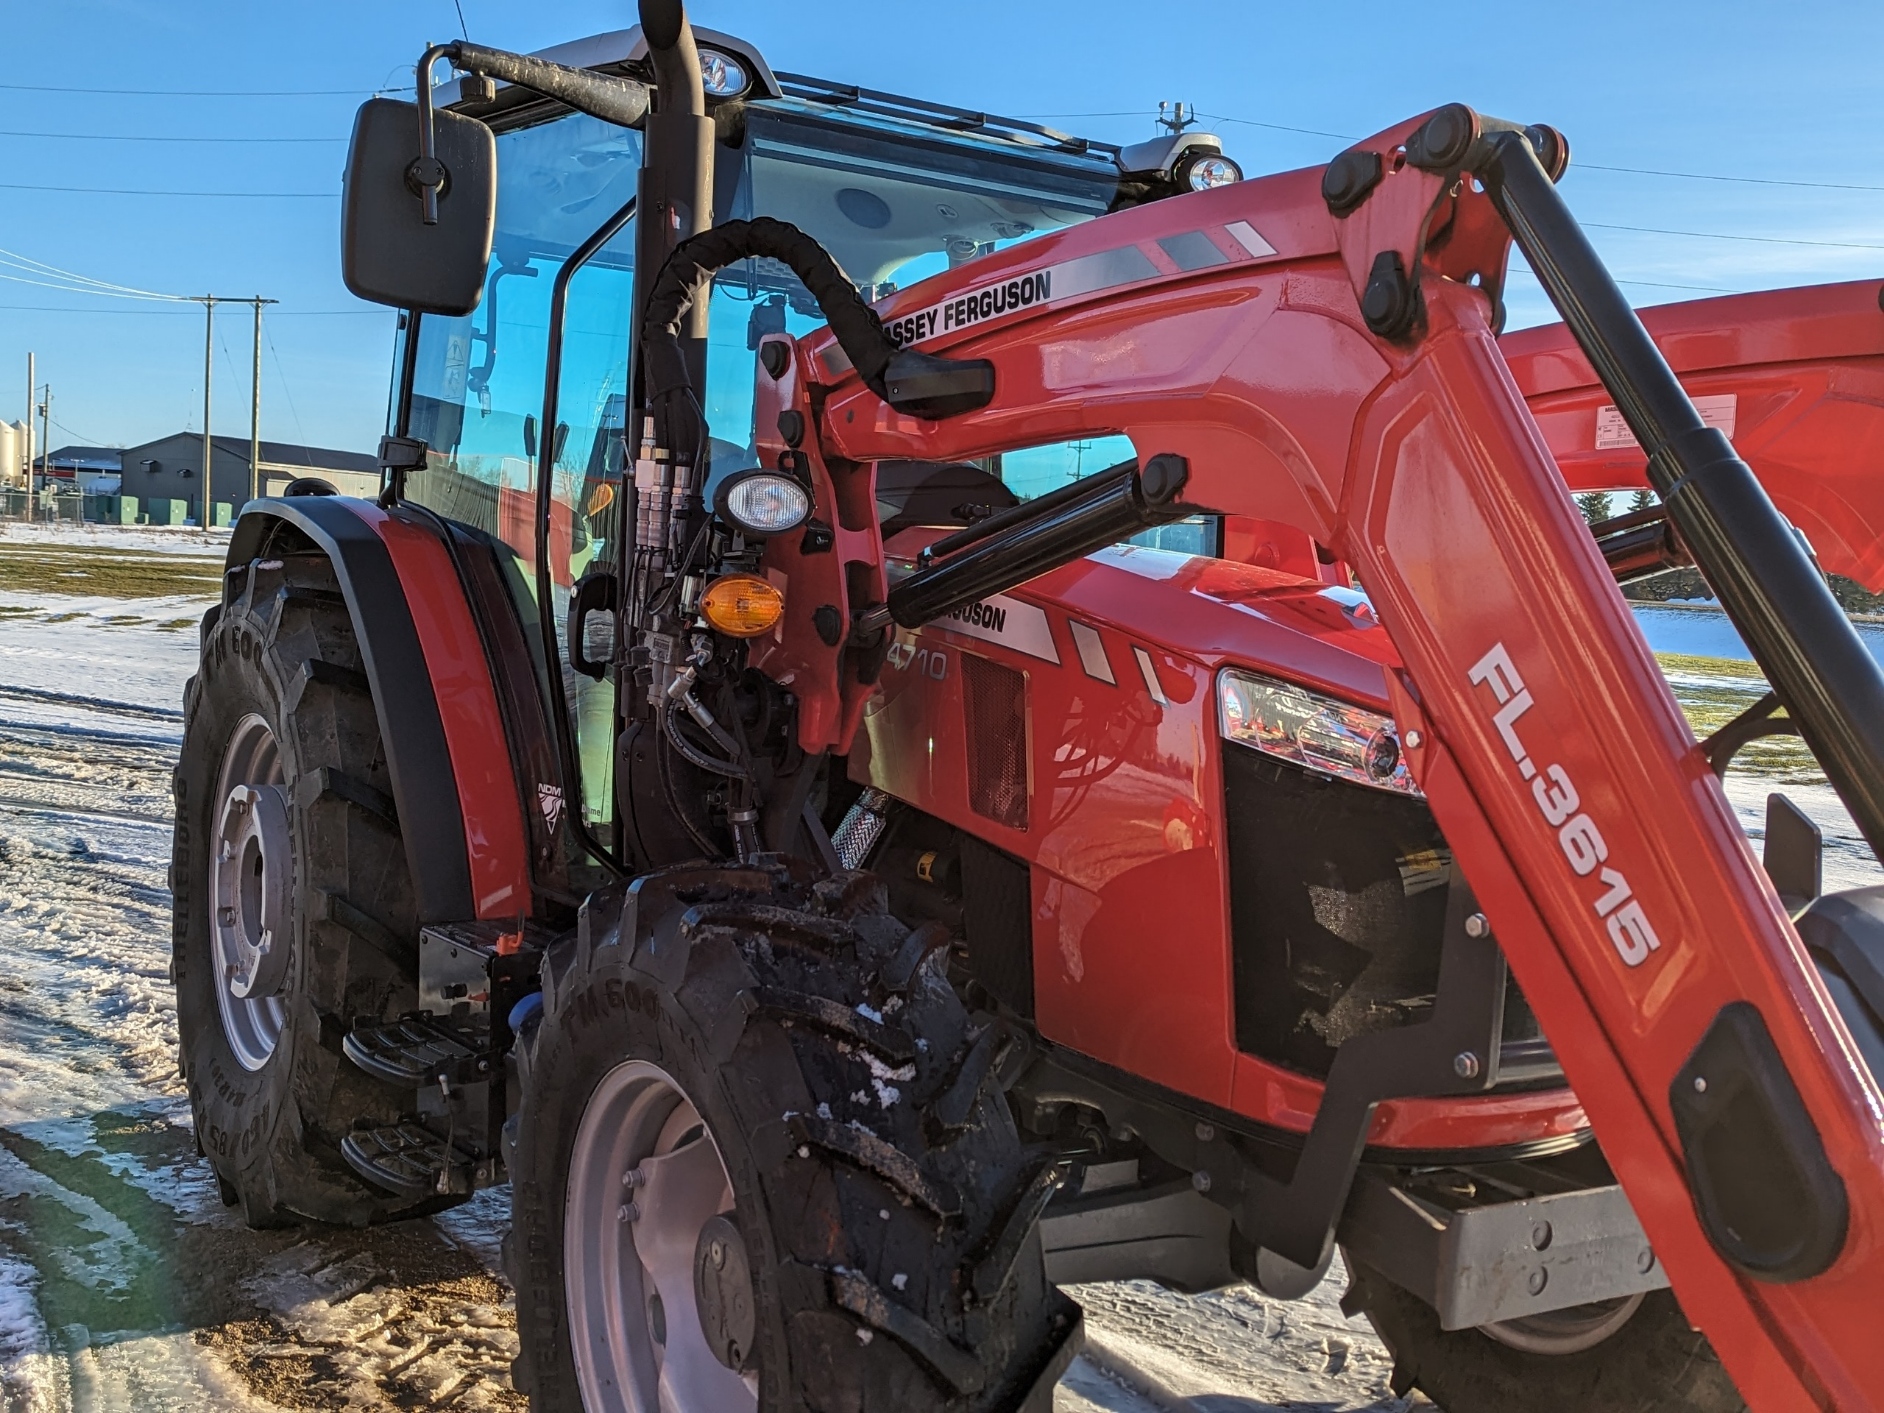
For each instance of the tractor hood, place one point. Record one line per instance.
(1214, 612)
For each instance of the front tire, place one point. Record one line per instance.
(290, 898)
(1634, 1356)
(861, 1230)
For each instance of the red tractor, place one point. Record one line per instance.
(933, 709)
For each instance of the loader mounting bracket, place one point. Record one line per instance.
(1454, 1051)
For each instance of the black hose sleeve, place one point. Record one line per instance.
(917, 383)
(613, 100)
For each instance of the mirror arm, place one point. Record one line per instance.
(427, 174)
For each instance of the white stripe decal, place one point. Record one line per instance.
(1151, 677)
(1092, 652)
(1250, 239)
(1009, 622)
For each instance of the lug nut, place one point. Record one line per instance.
(630, 1212)
(1476, 926)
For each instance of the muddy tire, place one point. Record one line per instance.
(1652, 1361)
(281, 710)
(872, 1173)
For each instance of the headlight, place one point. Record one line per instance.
(762, 503)
(722, 75)
(1206, 172)
(1282, 720)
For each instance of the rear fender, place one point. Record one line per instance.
(452, 779)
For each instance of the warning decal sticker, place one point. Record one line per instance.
(1613, 434)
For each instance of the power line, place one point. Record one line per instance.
(140, 137)
(1719, 235)
(200, 92)
(279, 314)
(286, 391)
(70, 281)
(133, 191)
(1576, 164)
(1716, 177)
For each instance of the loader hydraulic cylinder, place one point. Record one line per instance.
(1767, 583)
(1044, 534)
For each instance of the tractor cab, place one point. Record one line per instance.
(896, 189)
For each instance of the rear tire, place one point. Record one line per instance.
(281, 708)
(1650, 1362)
(753, 996)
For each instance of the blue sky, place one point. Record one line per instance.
(1787, 94)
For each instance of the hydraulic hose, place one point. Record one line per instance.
(916, 383)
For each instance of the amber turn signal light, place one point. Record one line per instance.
(741, 605)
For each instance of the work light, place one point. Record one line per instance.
(722, 75)
(762, 503)
(1209, 170)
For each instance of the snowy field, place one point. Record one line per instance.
(126, 1286)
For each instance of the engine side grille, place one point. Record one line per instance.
(995, 706)
(1337, 911)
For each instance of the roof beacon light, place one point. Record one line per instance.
(1311, 730)
(1211, 171)
(741, 605)
(763, 503)
(722, 75)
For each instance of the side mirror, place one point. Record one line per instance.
(389, 253)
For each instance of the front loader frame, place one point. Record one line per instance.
(1320, 349)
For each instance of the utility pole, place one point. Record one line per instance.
(32, 388)
(209, 367)
(45, 427)
(255, 405)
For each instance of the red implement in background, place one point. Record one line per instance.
(1794, 377)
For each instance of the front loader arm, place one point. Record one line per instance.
(1340, 373)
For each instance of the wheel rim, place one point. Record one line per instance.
(251, 877)
(647, 1193)
(1569, 1331)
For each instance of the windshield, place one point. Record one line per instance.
(893, 202)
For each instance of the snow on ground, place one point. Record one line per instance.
(161, 539)
(126, 1286)
(124, 1283)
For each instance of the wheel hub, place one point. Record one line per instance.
(647, 1201)
(252, 870)
(250, 890)
(722, 1286)
(1571, 1331)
